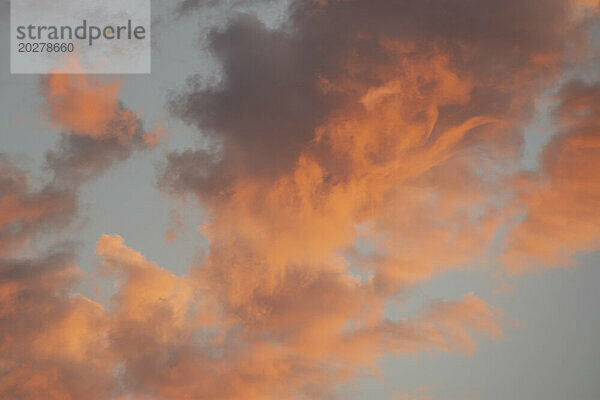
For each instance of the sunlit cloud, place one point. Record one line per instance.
(396, 123)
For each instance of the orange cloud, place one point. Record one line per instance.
(98, 130)
(52, 344)
(55, 345)
(161, 338)
(276, 266)
(88, 107)
(561, 203)
(389, 135)
(169, 350)
(400, 132)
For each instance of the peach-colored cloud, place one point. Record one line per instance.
(162, 338)
(98, 130)
(400, 133)
(169, 350)
(142, 283)
(53, 345)
(85, 106)
(276, 267)
(562, 201)
(404, 150)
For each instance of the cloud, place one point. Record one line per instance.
(53, 344)
(561, 200)
(395, 123)
(162, 338)
(173, 343)
(264, 70)
(279, 85)
(86, 107)
(25, 211)
(98, 130)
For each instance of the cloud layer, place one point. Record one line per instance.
(353, 152)
(562, 200)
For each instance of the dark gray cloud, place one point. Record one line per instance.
(79, 158)
(279, 85)
(266, 107)
(26, 211)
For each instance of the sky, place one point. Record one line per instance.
(310, 199)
